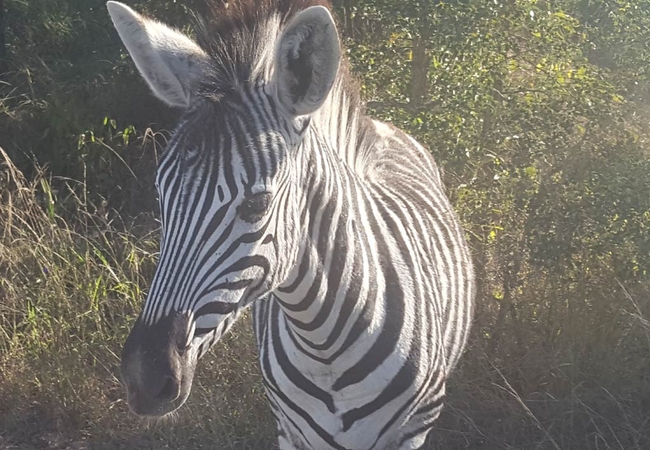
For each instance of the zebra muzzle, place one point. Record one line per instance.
(157, 371)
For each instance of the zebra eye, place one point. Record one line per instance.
(254, 207)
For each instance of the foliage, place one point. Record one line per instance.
(535, 110)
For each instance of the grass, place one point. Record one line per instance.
(70, 288)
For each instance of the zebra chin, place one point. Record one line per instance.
(157, 369)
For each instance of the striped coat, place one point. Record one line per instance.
(277, 191)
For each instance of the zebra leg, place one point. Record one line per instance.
(416, 437)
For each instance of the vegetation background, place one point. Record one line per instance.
(538, 112)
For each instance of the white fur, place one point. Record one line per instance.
(312, 28)
(168, 60)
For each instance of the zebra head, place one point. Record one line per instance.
(229, 184)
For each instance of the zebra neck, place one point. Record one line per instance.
(338, 121)
(328, 290)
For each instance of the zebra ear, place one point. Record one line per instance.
(307, 60)
(168, 60)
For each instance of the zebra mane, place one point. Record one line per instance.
(240, 35)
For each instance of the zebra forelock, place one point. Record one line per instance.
(240, 38)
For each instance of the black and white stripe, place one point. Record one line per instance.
(337, 228)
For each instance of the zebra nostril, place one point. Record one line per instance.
(170, 390)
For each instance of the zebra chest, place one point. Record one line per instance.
(344, 403)
(312, 412)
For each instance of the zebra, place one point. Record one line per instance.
(278, 192)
